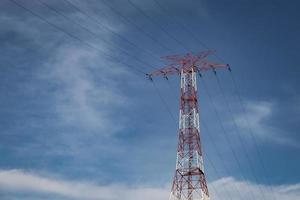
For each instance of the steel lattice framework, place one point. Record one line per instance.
(189, 181)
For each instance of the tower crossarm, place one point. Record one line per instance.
(187, 63)
(178, 59)
(168, 70)
(206, 65)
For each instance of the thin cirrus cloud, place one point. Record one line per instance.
(16, 182)
(76, 83)
(256, 117)
(32, 184)
(82, 76)
(84, 91)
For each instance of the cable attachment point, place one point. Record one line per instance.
(215, 72)
(229, 67)
(149, 77)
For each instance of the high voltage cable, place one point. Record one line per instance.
(257, 147)
(73, 36)
(239, 135)
(171, 89)
(136, 26)
(218, 175)
(225, 134)
(157, 24)
(163, 100)
(186, 28)
(93, 33)
(149, 18)
(219, 155)
(99, 23)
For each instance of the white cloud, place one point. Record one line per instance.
(14, 181)
(256, 113)
(78, 85)
(227, 186)
(83, 78)
(86, 94)
(256, 116)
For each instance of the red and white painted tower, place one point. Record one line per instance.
(189, 181)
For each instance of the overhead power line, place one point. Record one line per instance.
(219, 155)
(99, 23)
(158, 25)
(182, 25)
(163, 101)
(243, 144)
(225, 134)
(74, 36)
(186, 29)
(93, 33)
(257, 147)
(140, 29)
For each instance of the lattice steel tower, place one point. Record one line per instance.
(189, 182)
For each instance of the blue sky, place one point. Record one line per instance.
(78, 121)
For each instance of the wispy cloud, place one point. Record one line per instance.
(229, 186)
(256, 117)
(256, 114)
(19, 181)
(77, 85)
(33, 184)
(81, 79)
(85, 95)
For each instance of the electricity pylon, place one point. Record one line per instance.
(189, 181)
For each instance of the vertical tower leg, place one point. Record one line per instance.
(189, 181)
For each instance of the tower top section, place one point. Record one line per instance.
(187, 63)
